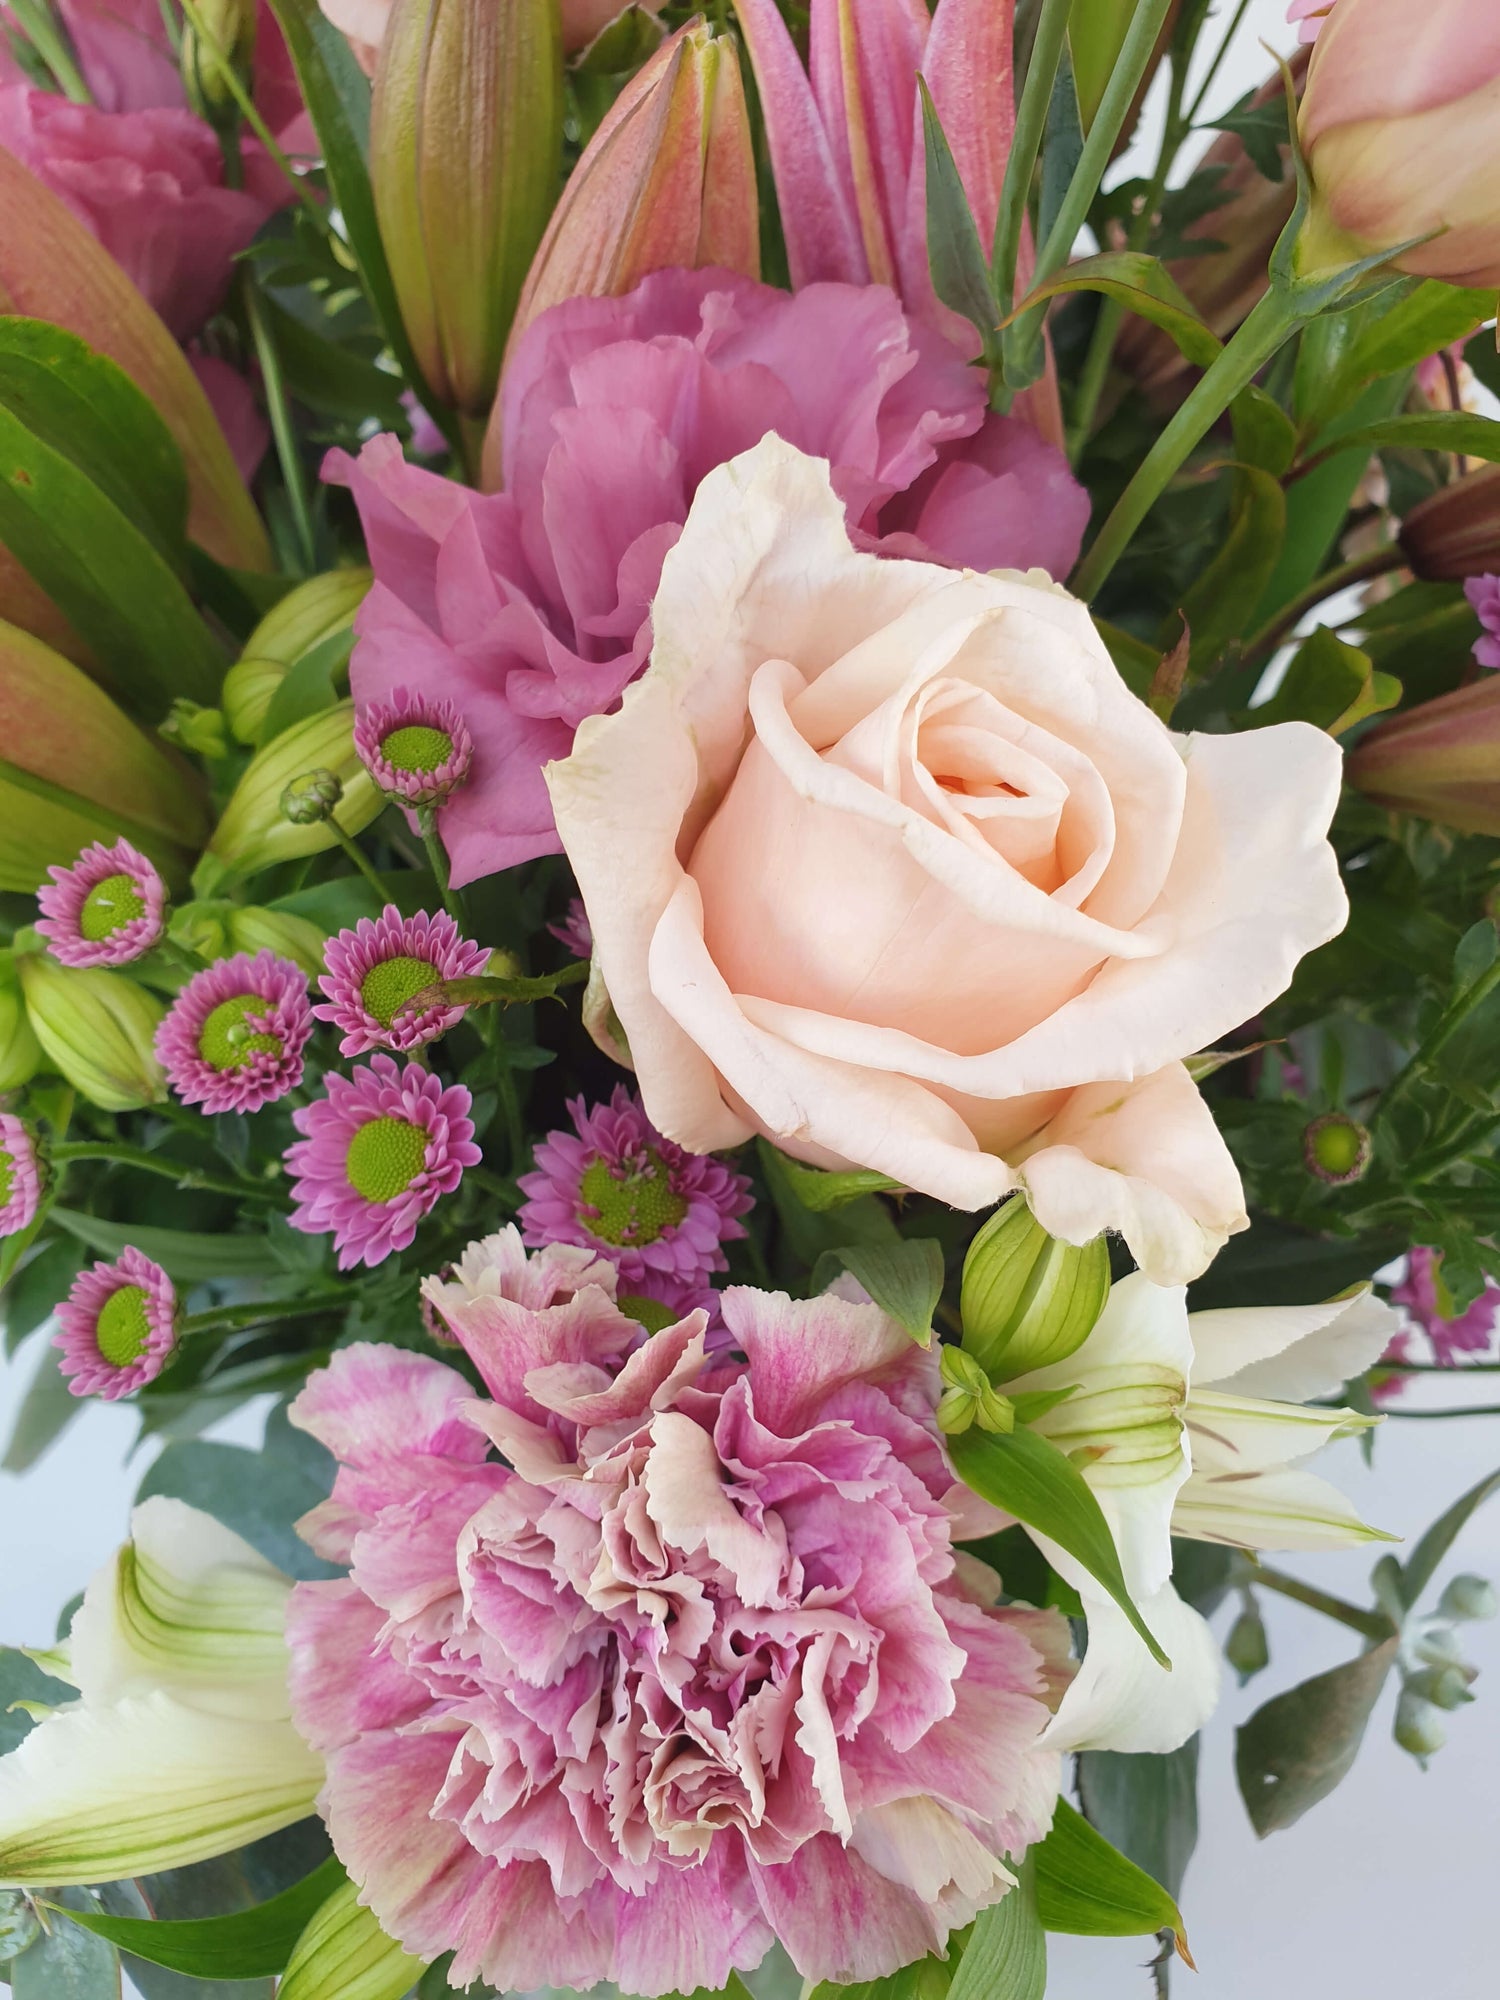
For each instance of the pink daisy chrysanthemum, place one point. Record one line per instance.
(1483, 593)
(620, 1188)
(107, 909)
(234, 1037)
(417, 749)
(375, 969)
(575, 930)
(118, 1326)
(377, 1154)
(20, 1176)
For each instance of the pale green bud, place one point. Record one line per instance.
(312, 797)
(193, 727)
(306, 617)
(1468, 1598)
(344, 1951)
(1419, 1726)
(202, 927)
(1028, 1299)
(1445, 1687)
(1247, 1649)
(248, 691)
(216, 33)
(96, 1029)
(20, 1052)
(255, 833)
(255, 929)
(969, 1397)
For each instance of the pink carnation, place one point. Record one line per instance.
(1451, 1334)
(118, 1326)
(20, 1176)
(698, 1673)
(375, 969)
(1483, 593)
(377, 1154)
(617, 1187)
(107, 909)
(529, 607)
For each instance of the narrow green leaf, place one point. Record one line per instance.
(1061, 149)
(249, 1944)
(182, 1253)
(93, 560)
(1087, 1887)
(1329, 683)
(1477, 951)
(960, 274)
(47, 1408)
(1300, 1746)
(1007, 1949)
(317, 681)
(1144, 286)
(904, 1278)
(1396, 338)
(1421, 1565)
(1029, 1477)
(820, 1190)
(343, 1954)
(1435, 430)
(1146, 1806)
(1223, 598)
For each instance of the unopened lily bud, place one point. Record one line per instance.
(246, 696)
(97, 1029)
(312, 797)
(1469, 1599)
(969, 1397)
(1336, 1149)
(1455, 532)
(1247, 1649)
(1419, 1726)
(306, 617)
(1400, 130)
(1440, 760)
(1027, 1298)
(216, 34)
(20, 1052)
(465, 147)
(253, 930)
(254, 831)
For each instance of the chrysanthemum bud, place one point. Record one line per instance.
(1027, 1298)
(1336, 1149)
(1440, 760)
(1469, 1599)
(306, 617)
(312, 797)
(254, 831)
(20, 1052)
(96, 1029)
(465, 146)
(1419, 1726)
(417, 749)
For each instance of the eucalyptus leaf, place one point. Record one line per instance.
(22, 1679)
(182, 1253)
(247, 1944)
(1088, 1888)
(38, 1286)
(1422, 1564)
(259, 1497)
(1146, 1806)
(1029, 1477)
(904, 1278)
(68, 1963)
(1298, 1748)
(47, 1408)
(1007, 1948)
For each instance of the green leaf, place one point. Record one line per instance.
(1264, 435)
(330, 377)
(23, 1680)
(70, 1964)
(820, 1191)
(1087, 1887)
(249, 1944)
(344, 1955)
(93, 560)
(1136, 661)
(1477, 950)
(1147, 1806)
(182, 1253)
(1389, 342)
(47, 1408)
(86, 407)
(38, 1286)
(1062, 146)
(904, 1278)
(1300, 1746)
(1434, 430)
(1330, 684)
(258, 1495)
(960, 271)
(310, 686)
(928, 1979)
(1144, 286)
(1029, 1477)
(811, 1234)
(1219, 606)
(1007, 1949)
(488, 989)
(1421, 1565)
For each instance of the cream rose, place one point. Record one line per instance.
(885, 861)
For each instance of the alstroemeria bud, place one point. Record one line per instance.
(20, 1053)
(97, 1029)
(254, 831)
(1440, 760)
(465, 146)
(1400, 130)
(1455, 532)
(52, 268)
(192, 726)
(1027, 1298)
(75, 769)
(969, 1397)
(1336, 1149)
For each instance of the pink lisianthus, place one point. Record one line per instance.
(1483, 593)
(699, 1672)
(615, 1186)
(1427, 1301)
(530, 607)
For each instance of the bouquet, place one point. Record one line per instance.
(749, 835)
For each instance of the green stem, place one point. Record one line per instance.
(1378, 563)
(54, 45)
(265, 1312)
(1214, 67)
(352, 849)
(1474, 1410)
(293, 471)
(437, 860)
(172, 1170)
(1432, 1048)
(1025, 145)
(1272, 321)
(1373, 1624)
(225, 70)
(1439, 1367)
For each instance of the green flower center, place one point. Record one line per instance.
(122, 1329)
(417, 748)
(649, 1313)
(384, 1158)
(108, 907)
(227, 1043)
(386, 988)
(7, 1175)
(633, 1206)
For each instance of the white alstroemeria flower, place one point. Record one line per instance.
(1173, 1424)
(180, 1745)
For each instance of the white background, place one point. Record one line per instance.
(1382, 1892)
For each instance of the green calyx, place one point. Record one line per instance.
(417, 749)
(122, 1328)
(635, 1207)
(649, 1313)
(384, 1158)
(226, 1042)
(108, 907)
(386, 987)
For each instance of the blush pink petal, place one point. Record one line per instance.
(1384, 59)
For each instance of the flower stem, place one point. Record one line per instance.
(437, 859)
(264, 1312)
(1272, 321)
(1026, 143)
(1439, 1367)
(293, 472)
(1373, 1624)
(173, 1170)
(352, 849)
(1379, 562)
(1438, 1040)
(1473, 1410)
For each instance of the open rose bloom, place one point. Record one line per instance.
(886, 862)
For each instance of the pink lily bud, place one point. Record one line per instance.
(52, 268)
(1400, 123)
(1440, 760)
(465, 148)
(1455, 532)
(76, 769)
